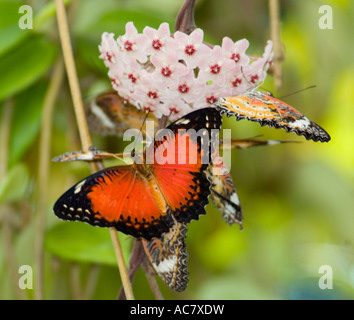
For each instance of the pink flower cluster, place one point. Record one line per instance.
(172, 74)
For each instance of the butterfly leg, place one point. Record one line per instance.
(91, 155)
(251, 142)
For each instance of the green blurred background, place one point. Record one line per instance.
(298, 199)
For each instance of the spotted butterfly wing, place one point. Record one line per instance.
(263, 108)
(168, 256)
(144, 199)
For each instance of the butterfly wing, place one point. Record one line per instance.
(115, 197)
(109, 114)
(224, 194)
(168, 255)
(181, 157)
(261, 107)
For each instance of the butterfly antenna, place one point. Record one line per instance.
(147, 114)
(244, 76)
(164, 120)
(297, 91)
(121, 157)
(252, 85)
(140, 133)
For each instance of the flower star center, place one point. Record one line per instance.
(236, 82)
(189, 49)
(211, 99)
(254, 78)
(132, 78)
(174, 110)
(236, 57)
(114, 81)
(166, 71)
(152, 94)
(148, 109)
(183, 88)
(128, 45)
(156, 44)
(109, 57)
(215, 68)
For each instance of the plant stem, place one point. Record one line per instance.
(121, 264)
(147, 268)
(185, 18)
(72, 75)
(83, 128)
(275, 36)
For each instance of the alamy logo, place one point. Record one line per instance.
(186, 146)
(326, 280)
(26, 280)
(26, 20)
(326, 20)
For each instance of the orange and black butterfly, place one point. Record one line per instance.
(145, 199)
(262, 107)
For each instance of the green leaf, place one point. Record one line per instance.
(81, 242)
(87, 49)
(10, 32)
(24, 64)
(14, 185)
(25, 120)
(115, 21)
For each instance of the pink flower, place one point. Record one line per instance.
(108, 49)
(132, 43)
(209, 95)
(158, 40)
(188, 88)
(191, 47)
(236, 51)
(127, 73)
(173, 106)
(215, 67)
(168, 69)
(256, 71)
(147, 93)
